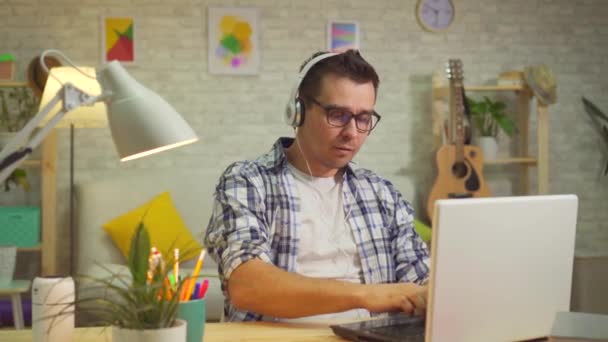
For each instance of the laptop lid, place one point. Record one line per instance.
(501, 267)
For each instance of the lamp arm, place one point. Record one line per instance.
(14, 153)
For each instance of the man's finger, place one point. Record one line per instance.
(407, 306)
(418, 300)
(419, 312)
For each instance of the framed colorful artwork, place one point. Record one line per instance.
(234, 45)
(118, 39)
(342, 35)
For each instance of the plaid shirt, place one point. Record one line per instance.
(256, 213)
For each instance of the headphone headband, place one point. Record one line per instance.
(294, 112)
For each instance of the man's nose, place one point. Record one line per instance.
(350, 129)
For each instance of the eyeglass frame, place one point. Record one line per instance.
(327, 108)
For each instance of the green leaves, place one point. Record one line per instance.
(17, 107)
(138, 255)
(488, 116)
(131, 301)
(17, 178)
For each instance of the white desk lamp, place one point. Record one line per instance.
(141, 122)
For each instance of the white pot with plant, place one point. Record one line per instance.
(140, 306)
(17, 107)
(488, 117)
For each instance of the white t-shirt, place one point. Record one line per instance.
(326, 246)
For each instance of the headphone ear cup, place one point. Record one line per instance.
(292, 113)
(298, 118)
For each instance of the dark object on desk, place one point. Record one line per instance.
(600, 121)
(579, 327)
(397, 328)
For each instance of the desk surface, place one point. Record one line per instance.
(254, 331)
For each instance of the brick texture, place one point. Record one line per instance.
(240, 117)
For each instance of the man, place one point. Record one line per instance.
(302, 232)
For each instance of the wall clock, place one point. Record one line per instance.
(435, 15)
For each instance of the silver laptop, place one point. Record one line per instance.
(501, 268)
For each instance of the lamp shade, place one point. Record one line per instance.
(141, 122)
(84, 116)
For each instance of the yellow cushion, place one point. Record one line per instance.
(164, 224)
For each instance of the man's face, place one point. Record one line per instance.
(329, 148)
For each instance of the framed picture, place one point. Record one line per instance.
(118, 39)
(234, 44)
(342, 35)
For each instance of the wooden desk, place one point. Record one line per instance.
(224, 332)
(14, 290)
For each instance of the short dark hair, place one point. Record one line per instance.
(349, 64)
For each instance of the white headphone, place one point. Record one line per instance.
(294, 111)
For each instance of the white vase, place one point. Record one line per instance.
(489, 147)
(176, 333)
(53, 309)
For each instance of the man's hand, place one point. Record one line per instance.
(407, 297)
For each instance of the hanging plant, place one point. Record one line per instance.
(17, 106)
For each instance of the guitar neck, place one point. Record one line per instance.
(456, 111)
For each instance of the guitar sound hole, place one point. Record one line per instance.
(459, 169)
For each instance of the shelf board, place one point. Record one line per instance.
(495, 88)
(443, 91)
(31, 162)
(516, 160)
(12, 84)
(30, 249)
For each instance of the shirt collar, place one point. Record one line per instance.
(280, 156)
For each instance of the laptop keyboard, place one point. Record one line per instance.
(401, 332)
(393, 328)
(404, 328)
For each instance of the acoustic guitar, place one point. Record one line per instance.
(459, 166)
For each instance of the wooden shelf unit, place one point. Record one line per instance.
(32, 163)
(37, 248)
(504, 161)
(48, 194)
(440, 93)
(13, 84)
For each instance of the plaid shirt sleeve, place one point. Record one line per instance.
(237, 231)
(411, 253)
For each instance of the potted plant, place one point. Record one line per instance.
(488, 116)
(17, 107)
(140, 306)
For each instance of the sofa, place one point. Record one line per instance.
(108, 196)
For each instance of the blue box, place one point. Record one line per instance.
(20, 226)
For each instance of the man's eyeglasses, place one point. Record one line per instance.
(340, 117)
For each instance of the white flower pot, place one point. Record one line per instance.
(176, 333)
(489, 147)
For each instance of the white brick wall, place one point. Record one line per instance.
(240, 117)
